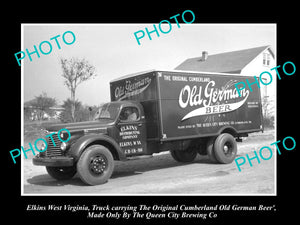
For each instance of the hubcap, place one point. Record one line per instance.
(98, 164)
(227, 148)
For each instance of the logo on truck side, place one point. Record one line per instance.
(132, 88)
(213, 100)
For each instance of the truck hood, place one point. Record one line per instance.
(85, 126)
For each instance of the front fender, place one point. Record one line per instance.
(78, 147)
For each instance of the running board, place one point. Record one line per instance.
(139, 157)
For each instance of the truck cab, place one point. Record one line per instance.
(118, 131)
(129, 125)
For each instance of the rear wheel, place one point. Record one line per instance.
(210, 150)
(225, 148)
(184, 156)
(201, 148)
(95, 165)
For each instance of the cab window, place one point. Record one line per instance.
(129, 114)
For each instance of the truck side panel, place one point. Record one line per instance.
(202, 104)
(141, 88)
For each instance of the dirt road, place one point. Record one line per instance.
(161, 174)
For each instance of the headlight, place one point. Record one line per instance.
(43, 147)
(63, 146)
(64, 135)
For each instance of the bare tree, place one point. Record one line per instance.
(75, 71)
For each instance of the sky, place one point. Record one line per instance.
(113, 50)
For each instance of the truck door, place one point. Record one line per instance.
(132, 131)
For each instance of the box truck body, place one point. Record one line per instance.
(184, 105)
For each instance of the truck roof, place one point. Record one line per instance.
(173, 71)
(133, 75)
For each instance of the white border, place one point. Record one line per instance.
(22, 111)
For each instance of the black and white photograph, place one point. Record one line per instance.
(129, 109)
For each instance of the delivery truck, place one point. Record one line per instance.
(186, 113)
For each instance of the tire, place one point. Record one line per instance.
(61, 173)
(184, 156)
(95, 165)
(225, 148)
(201, 148)
(210, 150)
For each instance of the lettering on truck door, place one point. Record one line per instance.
(132, 132)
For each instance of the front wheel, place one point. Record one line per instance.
(95, 165)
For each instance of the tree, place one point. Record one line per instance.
(42, 104)
(82, 112)
(75, 71)
(66, 115)
(268, 111)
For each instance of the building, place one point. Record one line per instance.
(249, 62)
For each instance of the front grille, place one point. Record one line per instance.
(53, 151)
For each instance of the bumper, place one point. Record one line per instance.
(60, 161)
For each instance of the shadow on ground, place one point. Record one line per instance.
(122, 169)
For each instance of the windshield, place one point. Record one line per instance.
(107, 111)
